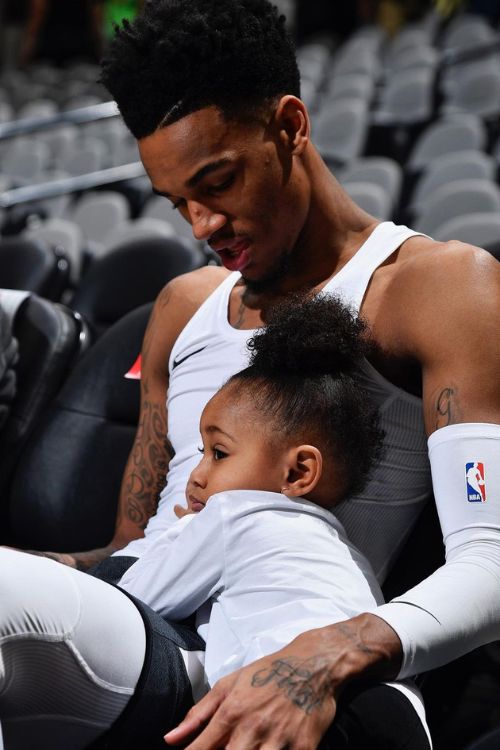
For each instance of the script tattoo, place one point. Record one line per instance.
(445, 407)
(296, 680)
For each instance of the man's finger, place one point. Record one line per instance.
(196, 719)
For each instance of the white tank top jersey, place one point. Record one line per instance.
(209, 350)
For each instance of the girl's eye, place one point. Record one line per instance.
(177, 204)
(218, 454)
(201, 450)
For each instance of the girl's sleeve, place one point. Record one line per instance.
(180, 572)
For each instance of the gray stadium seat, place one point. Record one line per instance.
(460, 165)
(371, 198)
(445, 136)
(380, 170)
(456, 199)
(339, 131)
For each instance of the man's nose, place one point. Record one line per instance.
(204, 222)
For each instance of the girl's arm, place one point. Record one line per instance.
(183, 568)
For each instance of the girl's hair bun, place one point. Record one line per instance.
(310, 336)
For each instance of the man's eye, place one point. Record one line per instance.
(224, 185)
(218, 454)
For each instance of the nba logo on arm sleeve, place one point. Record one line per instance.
(474, 480)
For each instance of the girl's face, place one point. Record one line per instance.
(239, 452)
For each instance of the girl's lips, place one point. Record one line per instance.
(196, 505)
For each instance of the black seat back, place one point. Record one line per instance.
(65, 490)
(33, 265)
(131, 275)
(48, 336)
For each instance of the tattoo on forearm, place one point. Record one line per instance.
(297, 680)
(445, 407)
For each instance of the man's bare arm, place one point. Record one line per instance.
(146, 468)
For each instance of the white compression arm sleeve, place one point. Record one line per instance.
(457, 608)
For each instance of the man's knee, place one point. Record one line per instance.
(37, 597)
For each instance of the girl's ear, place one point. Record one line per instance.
(303, 471)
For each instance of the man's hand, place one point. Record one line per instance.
(78, 560)
(289, 699)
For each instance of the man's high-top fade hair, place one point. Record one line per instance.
(179, 56)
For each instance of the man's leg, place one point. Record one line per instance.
(378, 717)
(71, 652)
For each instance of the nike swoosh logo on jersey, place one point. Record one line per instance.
(178, 362)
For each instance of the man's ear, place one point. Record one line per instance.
(292, 121)
(303, 470)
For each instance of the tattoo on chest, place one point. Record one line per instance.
(297, 680)
(241, 315)
(445, 408)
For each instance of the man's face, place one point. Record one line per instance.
(238, 451)
(236, 183)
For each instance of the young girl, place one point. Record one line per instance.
(283, 441)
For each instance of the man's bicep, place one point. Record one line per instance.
(460, 351)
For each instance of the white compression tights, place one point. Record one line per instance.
(71, 651)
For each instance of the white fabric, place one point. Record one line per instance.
(270, 566)
(458, 607)
(71, 651)
(274, 566)
(209, 350)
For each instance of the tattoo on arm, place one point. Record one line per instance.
(150, 456)
(296, 678)
(152, 450)
(445, 408)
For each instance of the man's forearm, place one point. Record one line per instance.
(362, 648)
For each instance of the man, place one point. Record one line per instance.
(210, 90)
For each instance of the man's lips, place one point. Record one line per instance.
(233, 253)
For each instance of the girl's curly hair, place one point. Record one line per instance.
(303, 377)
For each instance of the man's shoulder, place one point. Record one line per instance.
(174, 307)
(195, 286)
(435, 271)
(440, 284)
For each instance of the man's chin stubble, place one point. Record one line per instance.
(271, 281)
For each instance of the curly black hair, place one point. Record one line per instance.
(179, 56)
(302, 377)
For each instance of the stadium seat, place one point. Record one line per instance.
(340, 130)
(50, 338)
(380, 170)
(447, 135)
(32, 265)
(65, 235)
(459, 165)
(97, 213)
(82, 444)
(456, 199)
(130, 275)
